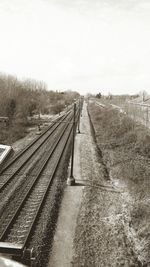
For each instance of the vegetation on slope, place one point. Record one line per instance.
(125, 146)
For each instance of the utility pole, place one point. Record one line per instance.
(71, 179)
(79, 116)
(143, 96)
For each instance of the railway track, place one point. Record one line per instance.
(31, 184)
(19, 161)
(21, 165)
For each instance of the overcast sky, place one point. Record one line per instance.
(84, 45)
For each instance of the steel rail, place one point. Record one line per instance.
(26, 148)
(20, 249)
(17, 249)
(21, 182)
(36, 149)
(47, 157)
(46, 193)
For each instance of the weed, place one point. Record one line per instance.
(126, 144)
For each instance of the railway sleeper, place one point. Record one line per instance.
(17, 239)
(15, 231)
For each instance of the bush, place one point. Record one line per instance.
(115, 130)
(126, 151)
(143, 145)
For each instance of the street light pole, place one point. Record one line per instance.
(71, 179)
(79, 117)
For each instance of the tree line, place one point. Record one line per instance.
(20, 100)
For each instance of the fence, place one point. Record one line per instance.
(139, 112)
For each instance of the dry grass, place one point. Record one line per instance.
(129, 143)
(13, 132)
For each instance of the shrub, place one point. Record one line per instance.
(143, 145)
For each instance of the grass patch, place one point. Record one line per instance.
(13, 132)
(125, 146)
